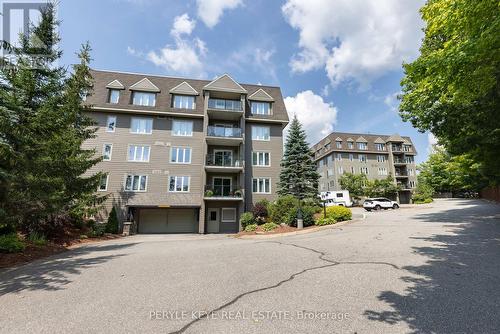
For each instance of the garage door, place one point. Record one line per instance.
(168, 221)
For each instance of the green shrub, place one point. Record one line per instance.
(269, 226)
(10, 243)
(251, 228)
(37, 239)
(423, 201)
(260, 211)
(325, 221)
(284, 211)
(7, 229)
(338, 213)
(246, 219)
(112, 225)
(98, 230)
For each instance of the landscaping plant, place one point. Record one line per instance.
(260, 211)
(10, 243)
(338, 213)
(269, 226)
(325, 221)
(251, 228)
(112, 225)
(246, 219)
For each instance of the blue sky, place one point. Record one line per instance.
(338, 62)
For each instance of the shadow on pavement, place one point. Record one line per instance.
(458, 289)
(52, 273)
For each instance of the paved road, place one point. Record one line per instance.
(433, 268)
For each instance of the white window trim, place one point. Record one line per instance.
(181, 147)
(178, 135)
(144, 105)
(258, 190)
(104, 150)
(107, 123)
(111, 90)
(261, 126)
(182, 185)
(258, 102)
(143, 161)
(222, 215)
(268, 152)
(132, 190)
(107, 181)
(141, 133)
(174, 95)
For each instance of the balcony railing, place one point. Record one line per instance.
(223, 191)
(220, 131)
(223, 161)
(402, 173)
(403, 185)
(397, 148)
(400, 161)
(221, 104)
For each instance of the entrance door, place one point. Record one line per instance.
(213, 221)
(223, 158)
(222, 186)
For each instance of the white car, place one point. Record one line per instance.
(379, 203)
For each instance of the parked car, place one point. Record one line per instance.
(332, 198)
(379, 203)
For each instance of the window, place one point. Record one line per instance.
(329, 160)
(183, 102)
(138, 153)
(103, 183)
(261, 159)
(180, 155)
(350, 145)
(179, 184)
(329, 172)
(261, 185)
(362, 146)
(114, 96)
(338, 144)
(381, 158)
(136, 182)
(321, 163)
(106, 152)
(407, 148)
(411, 172)
(260, 132)
(332, 184)
(339, 157)
(327, 146)
(339, 195)
(412, 184)
(141, 125)
(363, 170)
(182, 128)
(261, 108)
(352, 170)
(111, 124)
(382, 171)
(351, 157)
(341, 170)
(144, 99)
(362, 157)
(228, 215)
(380, 147)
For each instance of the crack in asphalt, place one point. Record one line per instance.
(322, 256)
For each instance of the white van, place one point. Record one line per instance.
(336, 198)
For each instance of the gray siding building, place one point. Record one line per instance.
(185, 155)
(377, 156)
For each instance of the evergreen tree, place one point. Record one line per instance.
(112, 225)
(298, 176)
(42, 128)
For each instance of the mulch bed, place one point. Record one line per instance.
(279, 229)
(33, 252)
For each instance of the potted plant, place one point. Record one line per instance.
(209, 193)
(238, 193)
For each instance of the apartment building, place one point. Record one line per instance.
(377, 156)
(185, 155)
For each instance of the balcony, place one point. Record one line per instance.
(223, 192)
(398, 161)
(223, 163)
(224, 136)
(225, 109)
(401, 173)
(403, 185)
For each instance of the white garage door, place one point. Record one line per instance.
(168, 221)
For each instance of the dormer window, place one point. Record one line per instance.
(260, 108)
(114, 96)
(143, 99)
(183, 102)
(338, 144)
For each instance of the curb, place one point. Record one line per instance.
(310, 230)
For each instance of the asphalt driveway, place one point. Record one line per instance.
(432, 268)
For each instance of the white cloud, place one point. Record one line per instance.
(255, 57)
(185, 55)
(391, 100)
(432, 141)
(354, 39)
(210, 11)
(316, 115)
(182, 25)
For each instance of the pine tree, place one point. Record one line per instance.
(298, 176)
(42, 128)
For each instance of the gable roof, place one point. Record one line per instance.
(261, 95)
(145, 85)
(350, 139)
(396, 138)
(225, 83)
(184, 88)
(115, 84)
(361, 140)
(379, 141)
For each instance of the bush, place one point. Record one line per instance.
(260, 211)
(338, 213)
(284, 211)
(325, 221)
(112, 225)
(10, 243)
(423, 201)
(246, 219)
(269, 226)
(251, 228)
(96, 229)
(37, 239)
(7, 229)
